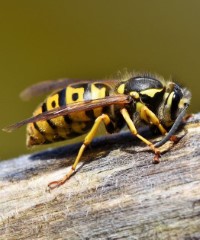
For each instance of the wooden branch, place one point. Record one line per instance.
(118, 195)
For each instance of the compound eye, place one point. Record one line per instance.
(175, 101)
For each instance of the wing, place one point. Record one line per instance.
(52, 85)
(71, 108)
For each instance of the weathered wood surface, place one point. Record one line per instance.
(118, 195)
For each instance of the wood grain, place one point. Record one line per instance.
(117, 193)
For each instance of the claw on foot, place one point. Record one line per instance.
(174, 138)
(55, 184)
(58, 183)
(156, 157)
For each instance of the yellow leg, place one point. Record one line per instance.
(133, 130)
(105, 118)
(150, 117)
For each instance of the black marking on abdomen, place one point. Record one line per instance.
(90, 114)
(53, 104)
(67, 119)
(61, 97)
(62, 102)
(51, 124)
(38, 129)
(74, 96)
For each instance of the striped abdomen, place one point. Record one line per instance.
(72, 125)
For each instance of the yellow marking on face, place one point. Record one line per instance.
(120, 89)
(167, 109)
(151, 92)
(169, 100)
(182, 102)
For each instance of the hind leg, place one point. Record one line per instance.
(103, 118)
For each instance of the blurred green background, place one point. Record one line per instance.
(48, 39)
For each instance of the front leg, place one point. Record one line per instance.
(148, 116)
(133, 130)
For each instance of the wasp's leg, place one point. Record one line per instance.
(133, 130)
(147, 115)
(150, 117)
(105, 118)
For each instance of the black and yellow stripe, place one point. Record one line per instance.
(68, 126)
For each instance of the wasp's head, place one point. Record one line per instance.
(174, 101)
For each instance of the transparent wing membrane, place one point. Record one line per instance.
(71, 108)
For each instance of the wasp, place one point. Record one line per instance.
(79, 107)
